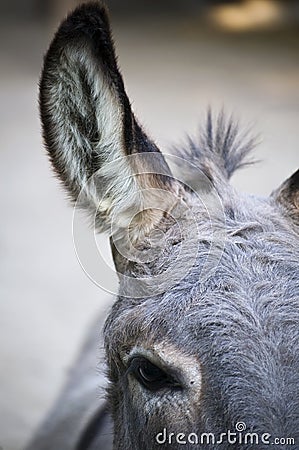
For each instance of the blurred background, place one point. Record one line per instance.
(177, 57)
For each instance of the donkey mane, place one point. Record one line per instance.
(221, 148)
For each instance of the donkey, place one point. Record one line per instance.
(202, 343)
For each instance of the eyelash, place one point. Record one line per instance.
(151, 376)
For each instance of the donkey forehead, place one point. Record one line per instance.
(244, 243)
(255, 274)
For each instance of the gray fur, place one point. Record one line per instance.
(241, 325)
(226, 334)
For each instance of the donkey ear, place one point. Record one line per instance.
(93, 139)
(287, 195)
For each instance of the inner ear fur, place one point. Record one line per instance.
(94, 142)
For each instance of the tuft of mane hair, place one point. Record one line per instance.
(221, 148)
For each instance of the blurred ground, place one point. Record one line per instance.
(173, 68)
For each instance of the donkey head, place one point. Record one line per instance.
(202, 341)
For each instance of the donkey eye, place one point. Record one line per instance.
(150, 376)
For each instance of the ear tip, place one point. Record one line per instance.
(294, 180)
(96, 8)
(288, 196)
(84, 20)
(87, 27)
